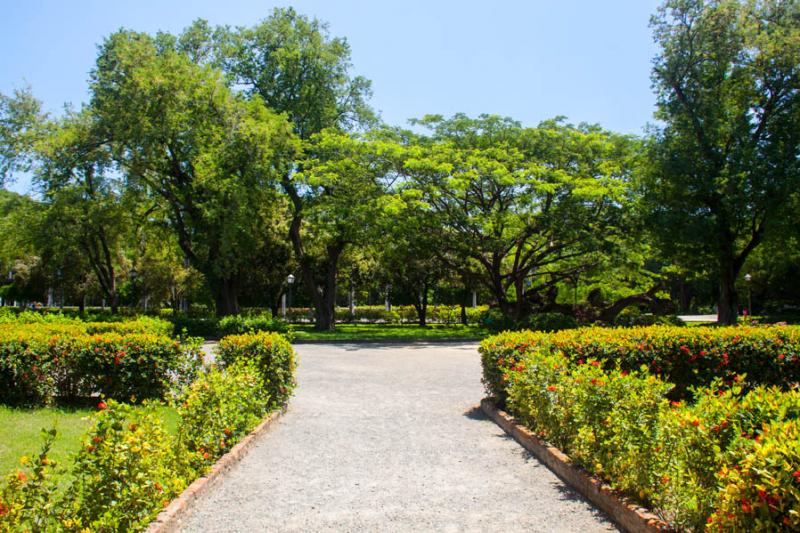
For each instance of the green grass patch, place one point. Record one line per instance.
(20, 432)
(390, 332)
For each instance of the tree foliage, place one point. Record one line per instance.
(726, 157)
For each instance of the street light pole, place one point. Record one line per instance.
(748, 278)
(290, 281)
(388, 300)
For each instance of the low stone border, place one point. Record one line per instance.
(628, 515)
(169, 520)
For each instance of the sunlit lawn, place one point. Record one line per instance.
(390, 332)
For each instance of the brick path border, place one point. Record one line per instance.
(169, 520)
(626, 514)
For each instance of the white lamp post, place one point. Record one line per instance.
(290, 281)
(748, 278)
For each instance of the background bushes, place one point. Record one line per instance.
(725, 456)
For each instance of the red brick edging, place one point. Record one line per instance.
(170, 518)
(627, 515)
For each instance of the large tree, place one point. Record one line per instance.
(210, 157)
(528, 205)
(725, 159)
(291, 64)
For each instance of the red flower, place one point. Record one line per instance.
(581, 361)
(227, 431)
(782, 357)
(102, 405)
(97, 439)
(762, 495)
(695, 423)
(206, 456)
(624, 373)
(552, 388)
(3, 509)
(746, 508)
(796, 476)
(117, 360)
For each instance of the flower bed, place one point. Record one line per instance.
(729, 459)
(129, 467)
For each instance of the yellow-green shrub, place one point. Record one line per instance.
(274, 357)
(218, 409)
(126, 471)
(762, 492)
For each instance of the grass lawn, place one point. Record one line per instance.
(20, 432)
(390, 332)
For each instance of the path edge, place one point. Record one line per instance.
(624, 512)
(169, 520)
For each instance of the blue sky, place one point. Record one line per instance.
(531, 60)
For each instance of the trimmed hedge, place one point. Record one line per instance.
(129, 467)
(57, 323)
(274, 358)
(229, 325)
(729, 460)
(686, 357)
(41, 362)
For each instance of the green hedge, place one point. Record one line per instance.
(39, 362)
(58, 323)
(229, 325)
(129, 467)
(729, 458)
(686, 357)
(273, 355)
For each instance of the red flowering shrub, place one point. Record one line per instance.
(714, 459)
(686, 357)
(38, 363)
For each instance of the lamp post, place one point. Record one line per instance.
(388, 300)
(290, 282)
(748, 278)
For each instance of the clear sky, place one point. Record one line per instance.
(531, 60)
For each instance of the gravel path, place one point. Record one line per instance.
(389, 438)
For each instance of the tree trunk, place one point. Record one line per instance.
(728, 304)
(113, 301)
(325, 296)
(226, 298)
